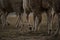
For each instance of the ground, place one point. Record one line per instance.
(13, 33)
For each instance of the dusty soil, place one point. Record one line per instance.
(13, 33)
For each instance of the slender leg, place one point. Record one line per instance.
(34, 27)
(49, 22)
(27, 17)
(57, 27)
(18, 20)
(36, 23)
(39, 21)
(3, 18)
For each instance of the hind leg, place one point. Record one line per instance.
(27, 16)
(56, 33)
(39, 21)
(34, 26)
(3, 18)
(49, 22)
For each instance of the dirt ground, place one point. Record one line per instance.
(13, 33)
